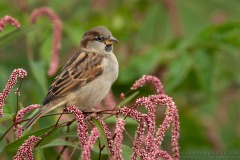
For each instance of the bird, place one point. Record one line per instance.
(86, 78)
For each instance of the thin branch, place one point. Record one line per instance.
(18, 90)
(5, 133)
(70, 157)
(64, 147)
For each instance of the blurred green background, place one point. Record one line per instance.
(193, 46)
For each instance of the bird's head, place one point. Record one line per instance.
(98, 39)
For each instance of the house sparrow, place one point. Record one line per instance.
(87, 77)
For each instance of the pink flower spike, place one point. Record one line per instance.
(144, 101)
(118, 140)
(162, 154)
(175, 135)
(138, 141)
(171, 117)
(26, 110)
(25, 151)
(57, 35)
(81, 125)
(89, 145)
(20, 114)
(150, 79)
(93, 137)
(8, 19)
(18, 131)
(108, 134)
(11, 82)
(134, 114)
(56, 46)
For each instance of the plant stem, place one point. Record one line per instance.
(18, 90)
(6, 132)
(64, 147)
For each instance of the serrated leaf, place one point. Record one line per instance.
(103, 137)
(128, 99)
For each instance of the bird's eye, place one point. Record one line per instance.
(99, 38)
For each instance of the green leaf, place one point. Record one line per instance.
(204, 68)
(13, 147)
(39, 73)
(7, 113)
(96, 149)
(69, 134)
(61, 142)
(151, 26)
(14, 35)
(128, 99)
(126, 151)
(129, 121)
(40, 154)
(137, 68)
(178, 71)
(103, 137)
(52, 135)
(45, 49)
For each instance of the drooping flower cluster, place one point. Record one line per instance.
(25, 151)
(89, 144)
(118, 139)
(148, 137)
(150, 79)
(147, 123)
(11, 82)
(108, 134)
(20, 114)
(81, 125)
(8, 19)
(57, 34)
(85, 141)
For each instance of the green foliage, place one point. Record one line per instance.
(199, 69)
(103, 137)
(54, 133)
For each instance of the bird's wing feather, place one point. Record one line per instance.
(81, 69)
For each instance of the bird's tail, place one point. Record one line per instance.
(45, 109)
(33, 119)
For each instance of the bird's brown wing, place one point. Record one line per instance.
(81, 69)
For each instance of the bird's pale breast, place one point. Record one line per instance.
(94, 92)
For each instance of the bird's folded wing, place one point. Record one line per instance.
(81, 69)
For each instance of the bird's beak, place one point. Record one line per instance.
(111, 40)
